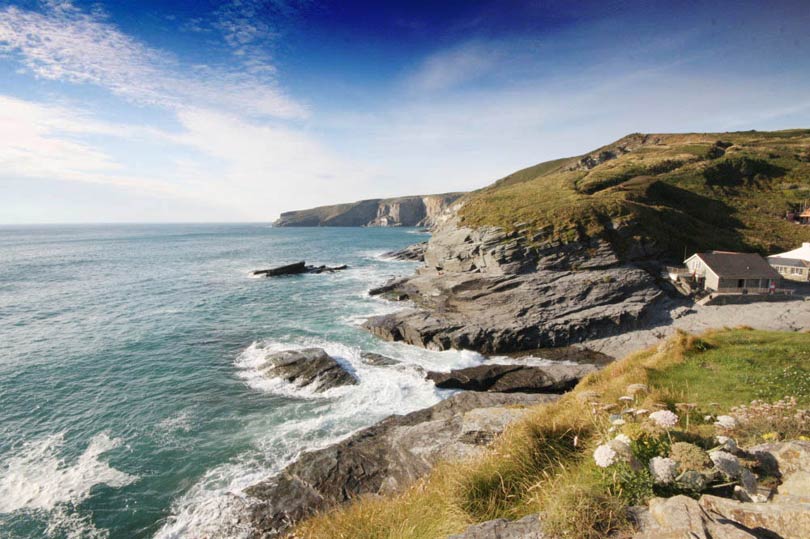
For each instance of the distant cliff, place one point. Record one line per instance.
(420, 210)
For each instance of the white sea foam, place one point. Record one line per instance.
(38, 478)
(216, 506)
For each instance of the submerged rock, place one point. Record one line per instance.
(383, 458)
(377, 360)
(308, 367)
(513, 378)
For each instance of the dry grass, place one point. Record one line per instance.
(543, 463)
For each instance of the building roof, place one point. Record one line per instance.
(792, 262)
(738, 265)
(802, 253)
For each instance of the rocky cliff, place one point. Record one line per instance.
(570, 250)
(420, 210)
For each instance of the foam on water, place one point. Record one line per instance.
(38, 478)
(216, 506)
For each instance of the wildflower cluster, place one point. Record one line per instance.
(656, 451)
(773, 421)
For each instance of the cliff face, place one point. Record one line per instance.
(421, 210)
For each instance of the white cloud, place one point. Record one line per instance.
(453, 67)
(67, 44)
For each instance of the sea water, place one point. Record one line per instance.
(130, 400)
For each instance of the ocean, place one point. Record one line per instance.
(130, 401)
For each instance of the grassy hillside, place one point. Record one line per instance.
(545, 464)
(675, 192)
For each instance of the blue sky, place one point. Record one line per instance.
(236, 110)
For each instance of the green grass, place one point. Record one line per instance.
(687, 192)
(544, 464)
(741, 366)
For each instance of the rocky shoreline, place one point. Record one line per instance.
(496, 293)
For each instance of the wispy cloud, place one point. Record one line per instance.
(450, 68)
(64, 43)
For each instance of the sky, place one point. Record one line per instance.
(237, 110)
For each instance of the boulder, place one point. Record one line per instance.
(381, 459)
(308, 367)
(556, 378)
(788, 520)
(681, 517)
(525, 528)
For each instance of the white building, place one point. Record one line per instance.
(793, 265)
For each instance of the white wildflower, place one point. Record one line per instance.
(604, 456)
(623, 438)
(664, 418)
(641, 411)
(618, 422)
(725, 422)
(626, 398)
(726, 463)
(663, 469)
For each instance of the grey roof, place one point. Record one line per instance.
(791, 262)
(739, 265)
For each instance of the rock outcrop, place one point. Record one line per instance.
(421, 210)
(383, 458)
(298, 268)
(785, 515)
(556, 378)
(311, 367)
(493, 292)
(415, 252)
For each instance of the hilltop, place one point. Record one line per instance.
(572, 250)
(419, 210)
(660, 194)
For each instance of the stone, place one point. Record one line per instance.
(681, 517)
(556, 378)
(782, 458)
(795, 486)
(481, 425)
(414, 252)
(788, 520)
(525, 528)
(377, 360)
(383, 458)
(308, 367)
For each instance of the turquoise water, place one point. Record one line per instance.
(130, 402)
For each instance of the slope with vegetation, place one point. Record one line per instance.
(545, 463)
(670, 193)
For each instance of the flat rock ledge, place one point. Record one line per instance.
(310, 367)
(383, 458)
(495, 314)
(557, 378)
(411, 253)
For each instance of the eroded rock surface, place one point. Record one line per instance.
(492, 292)
(415, 252)
(309, 367)
(383, 458)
